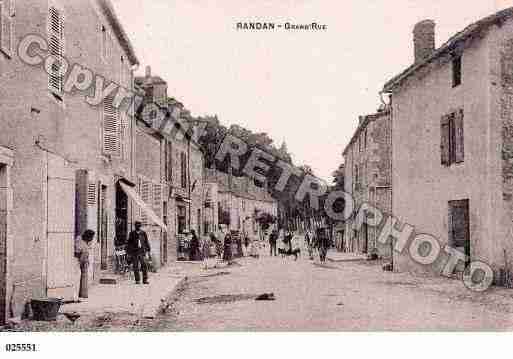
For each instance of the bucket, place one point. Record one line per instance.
(45, 309)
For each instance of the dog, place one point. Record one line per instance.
(285, 253)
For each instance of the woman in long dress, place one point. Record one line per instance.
(227, 248)
(82, 249)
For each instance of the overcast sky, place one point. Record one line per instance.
(306, 88)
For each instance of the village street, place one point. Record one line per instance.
(341, 295)
(347, 293)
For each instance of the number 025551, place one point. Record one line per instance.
(20, 347)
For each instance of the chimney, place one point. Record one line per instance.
(148, 71)
(424, 39)
(360, 120)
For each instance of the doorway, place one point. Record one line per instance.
(164, 234)
(459, 227)
(365, 235)
(3, 241)
(121, 216)
(102, 226)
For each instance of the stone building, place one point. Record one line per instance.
(452, 142)
(152, 187)
(61, 159)
(179, 160)
(367, 177)
(241, 202)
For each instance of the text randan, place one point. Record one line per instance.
(256, 26)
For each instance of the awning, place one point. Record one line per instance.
(130, 191)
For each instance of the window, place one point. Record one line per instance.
(56, 50)
(183, 166)
(168, 165)
(452, 138)
(356, 176)
(111, 127)
(7, 15)
(365, 139)
(459, 228)
(456, 71)
(181, 219)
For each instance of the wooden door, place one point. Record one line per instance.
(103, 226)
(60, 228)
(459, 228)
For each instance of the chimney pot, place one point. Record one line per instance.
(148, 71)
(424, 40)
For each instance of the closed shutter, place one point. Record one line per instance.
(459, 138)
(146, 197)
(183, 160)
(157, 199)
(169, 162)
(123, 134)
(111, 127)
(444, 140)
(56, 48)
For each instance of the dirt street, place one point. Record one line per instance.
(348, 296)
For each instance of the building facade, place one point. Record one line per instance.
(241, 202)
(367, 177)
(452, 140)
(66, 155)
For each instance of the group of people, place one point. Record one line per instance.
(138, 252)
(320, 241)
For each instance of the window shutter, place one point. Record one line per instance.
(56, 48)
(459, 138)
(123, 135)
(91, 194)
(444, 140)
(111, 127)
(157, 199)
(7, 26)
(146, 197)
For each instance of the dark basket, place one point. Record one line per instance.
(45, 309)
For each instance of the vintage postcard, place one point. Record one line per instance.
(243, 166)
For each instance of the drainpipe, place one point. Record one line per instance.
(389, 104)
(189, 179)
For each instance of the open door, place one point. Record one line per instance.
(60, 228)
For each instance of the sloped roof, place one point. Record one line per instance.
(120, 33)
(469, 32)
(363, 124)
(152, 80)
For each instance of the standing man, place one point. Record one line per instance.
(273, 237)
(322, 243)
(137, 248)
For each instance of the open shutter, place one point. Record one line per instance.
(91, 194)
(444, 140)
(146, 197)
(7, 12)
(56, 48)
(157, 199)
(111, 127)
(459, 138)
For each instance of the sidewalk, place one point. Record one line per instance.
(127, 297)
